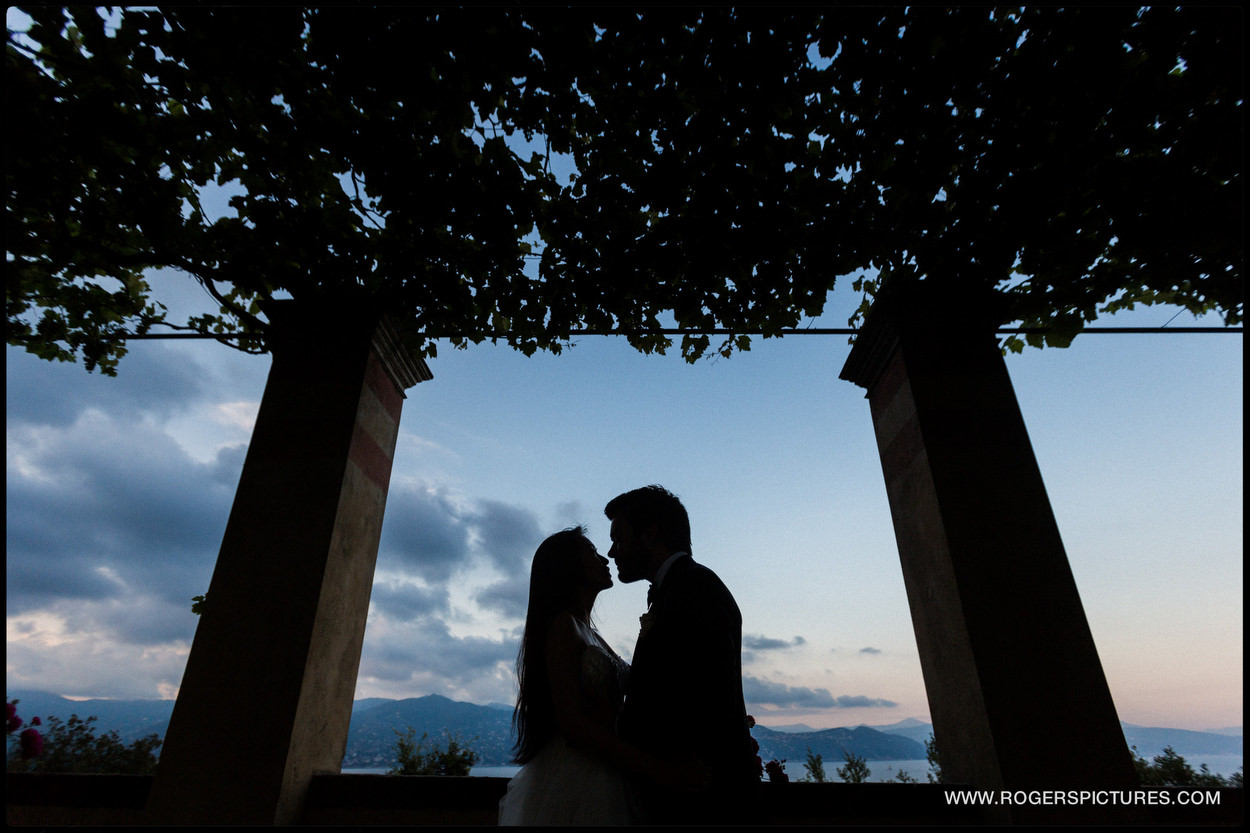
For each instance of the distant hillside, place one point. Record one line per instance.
(1150, 741)
(132, 719)
(912, 728)
(833, 744)
(488, 730)
(792, 728)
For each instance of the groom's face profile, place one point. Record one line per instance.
(627, 551)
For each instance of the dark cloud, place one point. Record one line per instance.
(406, 602)
(31, 583)
(429, 536)
(152, 378)
(428, 650)
(758, 642)
(424, 535)
(508, 535)
(228, 466)
(762, 692)
(105, 506)
(112, 528)
(849, 701)
(870, 650)
(509, 597)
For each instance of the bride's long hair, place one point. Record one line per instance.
(555, 577)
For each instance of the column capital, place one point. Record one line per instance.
(404, 367)
(919, 309)
(325, 324)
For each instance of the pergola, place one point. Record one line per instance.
(1011, 671)
(895, 160)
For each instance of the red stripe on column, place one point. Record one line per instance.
(900, 451)
(369, 456)
(379, 381)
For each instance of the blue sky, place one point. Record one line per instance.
(118, 492)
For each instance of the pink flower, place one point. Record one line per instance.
(13, 720)
(35, 721)
(777, 771)
(32, 744)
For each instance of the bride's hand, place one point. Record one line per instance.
(687, 773)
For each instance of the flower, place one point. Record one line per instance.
(776, 769)
(14, 722)
(32, 744)
(29, 741)
(645, 622)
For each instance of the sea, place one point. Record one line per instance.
(1224, 765)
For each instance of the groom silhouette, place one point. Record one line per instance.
(684, 695)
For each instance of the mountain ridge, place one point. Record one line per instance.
(487, 729)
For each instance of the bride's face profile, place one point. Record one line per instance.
(594, 567)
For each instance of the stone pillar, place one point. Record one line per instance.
(1016, 691)
(266, 697)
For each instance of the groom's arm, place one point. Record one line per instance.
(714, 710)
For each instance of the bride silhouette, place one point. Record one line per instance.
(575, 768)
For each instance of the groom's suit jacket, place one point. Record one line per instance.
(684, 695)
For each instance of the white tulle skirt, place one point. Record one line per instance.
(565, 786)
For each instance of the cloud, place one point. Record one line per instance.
(432, 537)
(754, 643)
(136, 618)
(854, 701)
(758, 642)
(405, 601)
(765, 693)
(41, 655)
(425, 534)
(870, 650)
(104, 507)
(152, 380)
(112, 526)
(509, 597)
(423, 655)
(507, 535)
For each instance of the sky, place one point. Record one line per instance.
(118, 492)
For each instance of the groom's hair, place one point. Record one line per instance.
(653, 505)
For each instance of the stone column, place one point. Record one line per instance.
(1016, 691)
(266, 697)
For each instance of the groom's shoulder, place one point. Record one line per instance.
(703, 578)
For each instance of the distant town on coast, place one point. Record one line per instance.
(487, 730)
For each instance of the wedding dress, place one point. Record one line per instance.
(562, 785)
